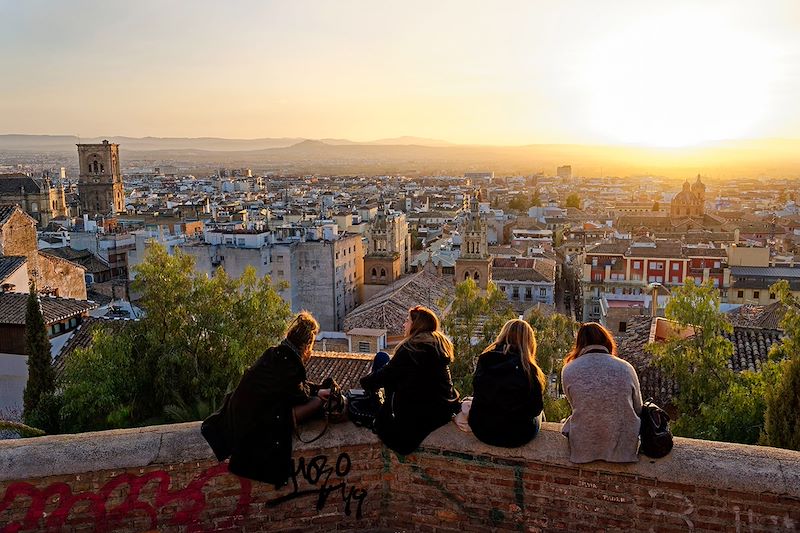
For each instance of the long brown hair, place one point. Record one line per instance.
(518, 335)
(425, 324)
(591, 333)
(302, 331)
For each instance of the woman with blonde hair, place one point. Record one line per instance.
(419, 390)
(603, 391)
(508, 388)
(255, 424)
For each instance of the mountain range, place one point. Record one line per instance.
(773, 157)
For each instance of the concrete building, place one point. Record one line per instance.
(318, 268)
(564, 172)
(100, 180)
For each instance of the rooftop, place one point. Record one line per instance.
(14, 305)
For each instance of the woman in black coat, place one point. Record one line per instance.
(508, 389)
(255, 424)
(419, 390)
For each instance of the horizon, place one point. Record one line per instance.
(609, 74)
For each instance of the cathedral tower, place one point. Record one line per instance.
(100, 182)
(474, 260)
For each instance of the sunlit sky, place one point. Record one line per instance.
(661, 73)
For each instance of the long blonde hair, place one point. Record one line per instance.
(302, 331)
(591, 333)
(519, 335)
(424, 327)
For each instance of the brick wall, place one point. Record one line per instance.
(164, 478)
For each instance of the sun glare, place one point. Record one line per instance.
(661, 87)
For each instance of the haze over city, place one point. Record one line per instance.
(514, 73)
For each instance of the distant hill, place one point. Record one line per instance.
(773, 157)
(215, 144)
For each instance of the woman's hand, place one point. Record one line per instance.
(324, 394)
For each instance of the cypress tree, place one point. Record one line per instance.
(41, 377)
(782, 418)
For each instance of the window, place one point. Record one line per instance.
(383, 273)
(675, 279)
(676, 266)
(740, 294)
(716, 264)
(280, 272)
(772, 296)
(756, 294)
(594, 261)
(466, 275)
(597, 276)
(477, 276)
(528, 293)
(623, 326)
(515, 292)
(543, 292)
(364, 347)
(637, 265)
(657, 266)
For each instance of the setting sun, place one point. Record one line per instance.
(682, 80)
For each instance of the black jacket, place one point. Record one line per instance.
(505, 401)
(419, 396)
(254, 426)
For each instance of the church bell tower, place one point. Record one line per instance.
(100, 180)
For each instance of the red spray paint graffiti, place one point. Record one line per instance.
(189, 502)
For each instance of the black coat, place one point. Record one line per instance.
(505, 402)
(254, 426)
(419, 396)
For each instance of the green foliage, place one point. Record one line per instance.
(521, 202)
(573, 200)
(20, 429)
(100, 383)
(555, 335)
(556, 410)
(713, 401)
(782, 416)
(41, 377)
(463, 320)
(197, 337)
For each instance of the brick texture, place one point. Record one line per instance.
(368, 487)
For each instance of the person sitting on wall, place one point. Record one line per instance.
(606, 401)
(508, 388)
(255, 424)
(420, 396)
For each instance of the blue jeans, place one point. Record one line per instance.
(380, 361)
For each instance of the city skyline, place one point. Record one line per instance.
(519, 73)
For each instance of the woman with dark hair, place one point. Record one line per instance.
(419, 390)
(508, 388)
(603, 391)
(255, 424)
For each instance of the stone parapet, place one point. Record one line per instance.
(165, 478)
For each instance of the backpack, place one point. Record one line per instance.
(363, 407)
(654, 432)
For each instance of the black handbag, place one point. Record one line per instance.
(363, 407)
(656, 437)
(333, 410)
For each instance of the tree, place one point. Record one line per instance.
(782, 416)
(41, 377)
(573, 200)
(555, 336)
(713, 401)
(472, 321)
(197, 337)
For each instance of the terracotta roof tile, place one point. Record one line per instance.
(13, 306)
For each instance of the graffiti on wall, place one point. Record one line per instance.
(148, 498)
(318, 472)
(188, 501)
